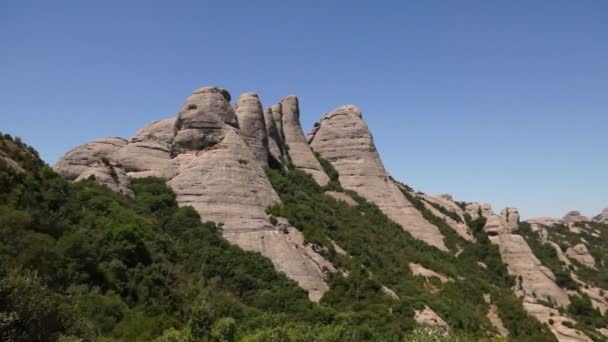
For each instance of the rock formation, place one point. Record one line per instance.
(340, 196)
(252, 125)
(109, 175)
(574, 216)
(211, 165)
(533, 280)
(344, 140)
(428, 317)
(299, 151)
(81, 158)
(276, 148)
(511, 218)
(148, 153)
(563, 332)
(202, 119)
(581, 254)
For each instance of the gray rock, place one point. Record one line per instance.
(108, 175)
(225, 183)
(344, 139)
(299, 151)
(81, 158)
(581, 254)
(276, 147)
(574, 216)
(252, 125)
(511, 218)
(340, 196)
(148, 153)
(533, 280)
(203, 117)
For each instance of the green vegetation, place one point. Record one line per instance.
(581, 309)
(79, 262)
(379, 252)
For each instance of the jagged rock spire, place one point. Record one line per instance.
(299, 151)
(344, 139)
(252, 125)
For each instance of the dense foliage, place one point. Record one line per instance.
(378, 254)
(79, 260)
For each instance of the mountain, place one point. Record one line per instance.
(227, 222)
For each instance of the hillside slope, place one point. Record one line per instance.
(339, 250)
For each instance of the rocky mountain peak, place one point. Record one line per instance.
(574, 216)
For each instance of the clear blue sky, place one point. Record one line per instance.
(493, 101)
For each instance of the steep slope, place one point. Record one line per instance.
(299, 152)
(252, 125)
(344, 140)
(212, 166)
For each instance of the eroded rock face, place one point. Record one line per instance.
(460, 227)
(345, 140)
(148, 153)
(252, 125)
(495, 225)
(511, 218)
(562, 332)
(574, 216)
(208, 163)
(276, 147)
(225, 183)
(581, 254)
(106, 174)
(533, 280)
(299, 151)
(81, 158)
(203, 117)
(428, 317)
(421, 271)
(289, 254)
(474, 210)
(544, 221)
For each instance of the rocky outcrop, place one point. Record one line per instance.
(555, 321)
(574, 216)
(81, 158)
(494, 225)
(344, 140)
(428, 317)
(602, 217)
(210, 164)
(581, 254)
(494, 317)
(447, 202)
(421, 271)
(533, 280)
(276, 148)
(202, 119)
(148, 153)
(289, 254)
(299, 151)
(460, 227)
(252, 125)
(511, 218)
(474, 210)
(225, 183)
(109, 175)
